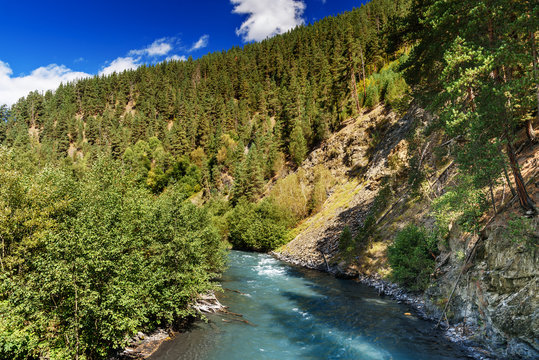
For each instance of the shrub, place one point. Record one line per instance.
(522, 230)
(299, 195)
(388, 85)
(258, 227)
(411, 257)
(462, 204)
(88, 263)
(372, 97)
(292, 193)
(323, 181)
(346, 242)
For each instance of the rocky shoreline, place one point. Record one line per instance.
(456, 333)
(143, 345)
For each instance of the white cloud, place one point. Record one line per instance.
(159, 47)
(134, 58)
(49, 77)
(176, 57)
(268, 17)
(201, 43)
(120, 64)
(43, 78)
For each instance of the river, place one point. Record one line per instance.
(294, 313)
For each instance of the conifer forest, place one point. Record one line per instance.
(121, 194)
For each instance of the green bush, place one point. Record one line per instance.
(87, 263)
(411, 257)
(258, 227)
(372, 96)
(346, 242)
(462, 204)
(388, 85)
(522, 230)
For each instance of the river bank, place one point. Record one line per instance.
(143, 345)
(164, 341)
(456, 333)
(296, 313)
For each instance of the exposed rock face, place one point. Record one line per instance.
(495, 302)
(496, 299)
(354, 152)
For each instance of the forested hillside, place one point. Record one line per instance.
(119, 193)
(90, 255)
(278, 98)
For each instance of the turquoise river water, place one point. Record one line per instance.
(294, 313)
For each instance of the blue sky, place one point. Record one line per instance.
(46, 42)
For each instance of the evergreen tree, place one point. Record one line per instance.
(4, 116)
(298, 145)
(483, 76)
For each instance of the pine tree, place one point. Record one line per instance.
(298, 145)
(308, 76)
(91, 130)
(4, 116)
(481, 79)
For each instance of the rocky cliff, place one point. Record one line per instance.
(485, 284)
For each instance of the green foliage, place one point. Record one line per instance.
(154, 167)
(88, 262)
(249, 178)
(218, 207)
(187, 176)
(346, 242)
(475, 63)
(411, 257)
(291, 193)
(300, 195)
(388, 85)
(4, 116)
(259, 227)
(298, 145)
(522, 230)
(323, 180)
(462, 204)
(373, 96)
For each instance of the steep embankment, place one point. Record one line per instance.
(486, 282)
(366, 152)
(493, 278)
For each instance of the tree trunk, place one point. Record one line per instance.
(503, 194)
(353, 82)
(513, 192)
(492, 196)
(529, 127)
(354, 90)
(525, 200)
(364, 81)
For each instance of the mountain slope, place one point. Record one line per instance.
(489, 278)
